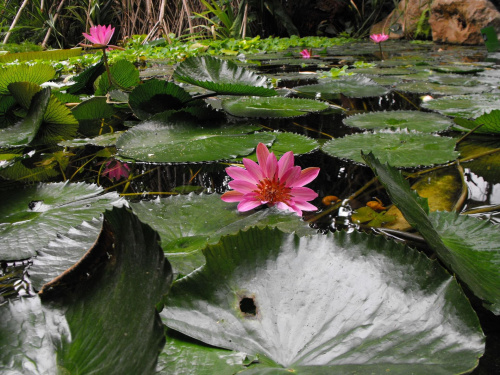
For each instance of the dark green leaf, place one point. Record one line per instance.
(272, 107)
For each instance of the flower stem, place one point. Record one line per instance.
(105, 59)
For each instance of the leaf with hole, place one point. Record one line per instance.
(341, 303)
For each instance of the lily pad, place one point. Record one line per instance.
(222, 76)
(158, 141)
(25, 130)
(411, 120)
(490, 122)
(486, 166)
(352, 87)
(441, 89)
(468, 106)
(472, 255)
(272, 107)
(32, 217)
(399, 149)
(75, 327)
(37, 73)
(327, 304)
(185, 228)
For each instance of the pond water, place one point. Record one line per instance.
(338, 177)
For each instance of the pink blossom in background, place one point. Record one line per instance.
(305, 54)
(379, 38)
(116, 170)
(100, 36)
(272, 182)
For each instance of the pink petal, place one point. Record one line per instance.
(271, 166)
(232, 196)
(238, 173)
(247, 205)
(306, 176)
(253, 168)
(285, 163)
(306, 206)
(291, 175)
(262, 154)
(90, 38)
(303, 194)
(292, 207)
(242, 186)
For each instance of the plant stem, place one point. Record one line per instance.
(105, 59)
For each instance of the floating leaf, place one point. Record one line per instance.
(185, 228)
(370, 217)
(411, 120)
(25, 130)
(155, 96)
(441, 89)
(490, 122)
(327, 304)
(156, 141)
(76, 327)
(84, 82)
(52, 55)
(32, 217)
(486, 166)
(477, 263)
(399, 149)
(222, 76)
(92, 115)
(38, 73)
(352, 87)
(468, 106)
(272, 107)
(124, 75)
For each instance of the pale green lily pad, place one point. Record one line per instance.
(411, 120)
(472, 252)
(158, 141)
(433, 88)
(104, 140)
(76, 326)
(457, 69)
(352, 87)
(440, 89)
(468, 106)
(51, 55)
(272, 107)
(222, 76)
(399, 149)
(188, 223)
(37, 73)
(32, 217)
(386, 71)
(334, 304)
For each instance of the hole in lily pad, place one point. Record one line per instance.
(247, 306)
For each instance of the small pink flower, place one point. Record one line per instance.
(116, 170)
(379, 38)
(272, 182)
(100, 36)
(305, 54)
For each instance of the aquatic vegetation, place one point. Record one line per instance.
(203, 213)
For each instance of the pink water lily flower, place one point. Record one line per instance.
(305, 54)
(379, 38)
(100, 36)
(116, 170)
(272, 182)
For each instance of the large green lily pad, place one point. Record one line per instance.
(222, 76)
(441, 89)
(37, 73)
(272, 107)
(188, 223)
(411, 120)
(352, 87)
(32, 217)
(472, 252)
(399, 149)
(336, 304)
(182, 142)
(468, 106)
(78, 326)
